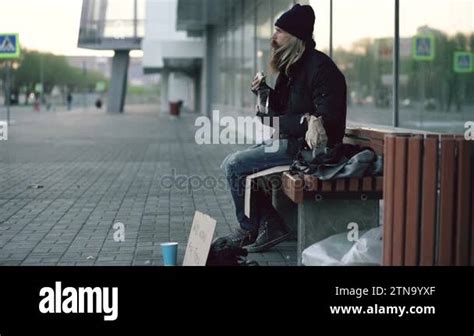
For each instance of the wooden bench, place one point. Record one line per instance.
(429, 201)
(428, 198)
(325, 208)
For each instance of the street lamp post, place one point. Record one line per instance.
(84, 89)
(135, 15)
(396, 67)
(42, 78)
(7, 91)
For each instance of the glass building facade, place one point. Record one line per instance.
(106, 24)
(436, 51)
(243, 43)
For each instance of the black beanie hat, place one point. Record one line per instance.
(298, 21)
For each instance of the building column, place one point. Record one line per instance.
(197, 92)
(164, 84)
(209, 86)
(118, 83)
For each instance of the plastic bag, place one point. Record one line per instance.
(367, 250)
(327, 252)
(337, 250)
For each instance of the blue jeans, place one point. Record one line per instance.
(237, 166)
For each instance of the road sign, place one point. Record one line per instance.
(38, 87)
(100, 86)
(463, 62)
(423, 48)
(9, 46)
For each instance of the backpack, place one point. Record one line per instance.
(223, 253)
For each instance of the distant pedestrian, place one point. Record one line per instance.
(98, 103)
(36, 104)
(69, 101)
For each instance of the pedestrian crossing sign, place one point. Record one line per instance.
(423, 48)
(9, 46)
(463, 62)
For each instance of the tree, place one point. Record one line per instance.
(54, 70)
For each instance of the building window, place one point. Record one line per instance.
(264, 34)
(365, 56)
(321, 26)
(436, 92)
(248, 64)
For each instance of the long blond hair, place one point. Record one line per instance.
(285, 56)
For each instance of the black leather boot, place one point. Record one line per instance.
(272, 231)
(241, 237)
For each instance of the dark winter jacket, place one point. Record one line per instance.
(315, 86)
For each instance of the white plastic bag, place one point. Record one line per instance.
(327, 252)
(337, 250)
(367, 250)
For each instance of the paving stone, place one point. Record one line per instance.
(92, 180)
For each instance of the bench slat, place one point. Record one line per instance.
(311, 183)
(413, 201)
(376, 145)
(463, 197)
(366, 133)
(399, 215)
(428, 201)
(293, 187)
(388, 185)
(446, 233)
(354, 184)
(379, 183)
(367, 184)
(326, 186)
(341, 185)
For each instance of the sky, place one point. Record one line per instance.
(358, 19)
(53, 25)
(46, 25)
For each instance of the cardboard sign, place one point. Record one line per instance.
(3, 130)
(200, 239)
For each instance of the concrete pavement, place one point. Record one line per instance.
(68, 176)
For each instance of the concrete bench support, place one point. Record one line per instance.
(318, 220)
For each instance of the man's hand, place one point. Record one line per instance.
(257, 81)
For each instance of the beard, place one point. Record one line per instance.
(284, 55)
(275, 59)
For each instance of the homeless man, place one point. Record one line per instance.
(308, 82)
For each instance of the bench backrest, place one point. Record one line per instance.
(374, 135)
(366, 138)
(428, 200)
